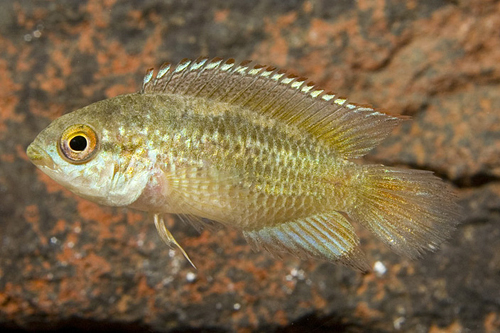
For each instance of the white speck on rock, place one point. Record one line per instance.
(190, 277)
(398, 322)
(379, 268)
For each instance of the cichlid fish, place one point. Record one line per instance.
(251, 147)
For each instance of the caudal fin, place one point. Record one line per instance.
(410, 210)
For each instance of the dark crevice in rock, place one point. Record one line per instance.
(476, 180)
(468, 181)
(76, 325)
(198, 330)
(322, 324)
(308, 323)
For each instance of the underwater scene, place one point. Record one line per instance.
(260, 166)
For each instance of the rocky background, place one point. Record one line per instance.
(67, 263)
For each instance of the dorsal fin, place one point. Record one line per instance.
(351, 130)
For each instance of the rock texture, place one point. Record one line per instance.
(67, 263)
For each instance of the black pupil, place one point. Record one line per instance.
(78, 143)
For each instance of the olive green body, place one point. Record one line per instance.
(223, 162)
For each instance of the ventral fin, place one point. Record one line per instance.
(327, 237)
(351, 130)
(168, 238)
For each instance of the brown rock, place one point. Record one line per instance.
(68, 263)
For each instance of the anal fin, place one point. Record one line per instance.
(167, 237)
(327, 236)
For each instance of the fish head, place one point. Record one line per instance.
(82, 151)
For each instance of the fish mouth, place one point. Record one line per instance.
(39, 157)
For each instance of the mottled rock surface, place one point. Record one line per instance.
(68, 263)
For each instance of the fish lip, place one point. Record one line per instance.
(39, 156)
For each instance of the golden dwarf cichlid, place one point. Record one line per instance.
(251, 147)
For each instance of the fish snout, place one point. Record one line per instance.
(39, 156)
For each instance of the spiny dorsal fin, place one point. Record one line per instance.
(351, 130)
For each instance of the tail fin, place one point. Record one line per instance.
(410, 210)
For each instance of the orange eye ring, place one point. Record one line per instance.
(78, 144)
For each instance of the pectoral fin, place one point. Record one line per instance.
(326, 236)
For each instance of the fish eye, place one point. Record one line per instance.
(78, 144)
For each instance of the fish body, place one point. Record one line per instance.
(253, 148)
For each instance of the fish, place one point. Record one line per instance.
(250, 147)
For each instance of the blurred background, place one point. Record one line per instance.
(66, 263)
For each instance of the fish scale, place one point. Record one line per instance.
(263, 176)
